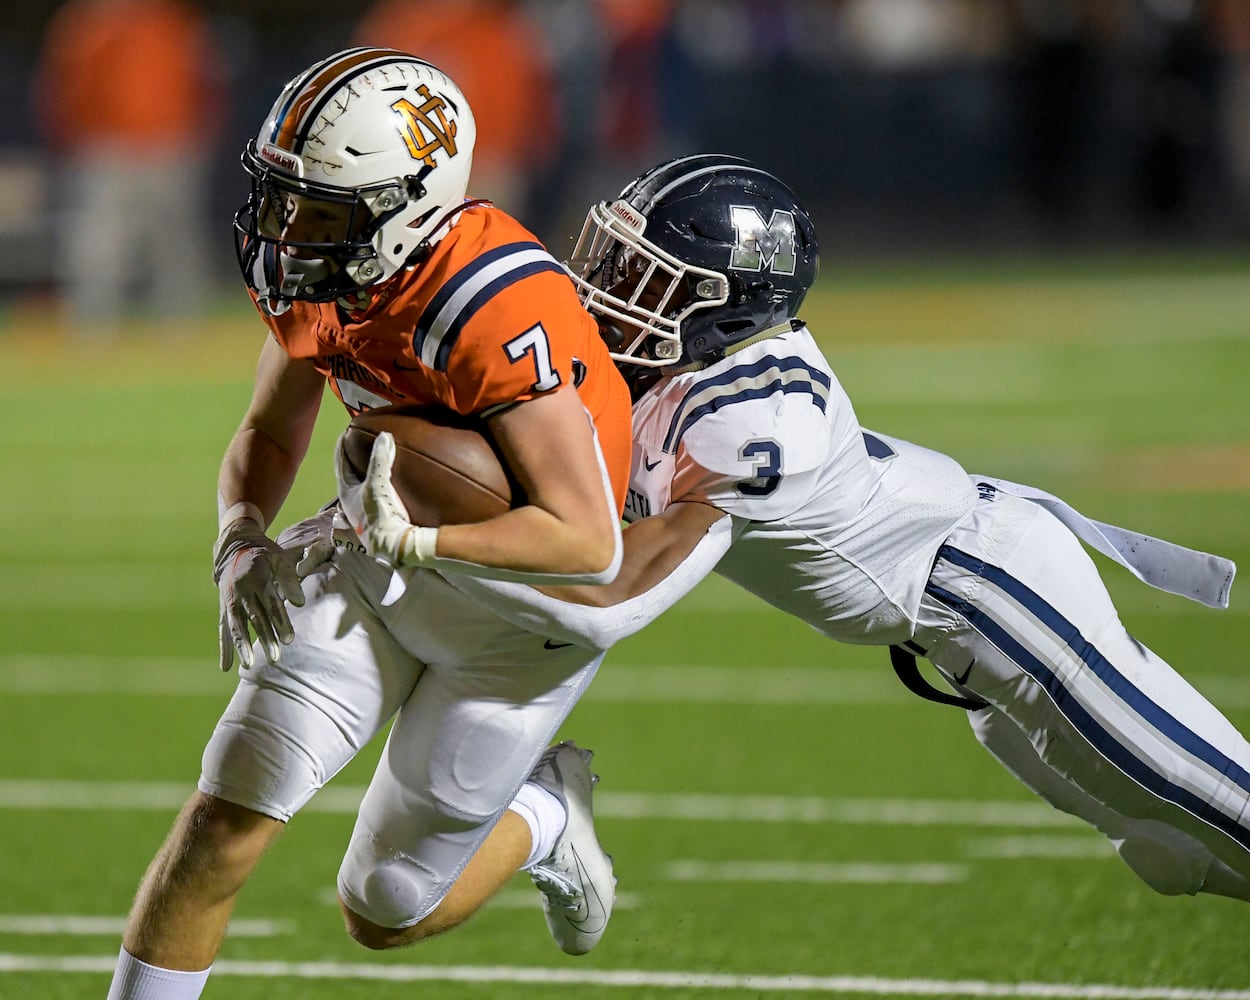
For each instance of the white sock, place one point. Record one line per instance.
(545, 815)
(135, 980)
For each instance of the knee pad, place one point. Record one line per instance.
(397, 886)
(387, 887)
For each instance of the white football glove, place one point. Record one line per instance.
(377, 513)
(254, 576)
(350, 486)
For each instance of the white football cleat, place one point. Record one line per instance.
(576, 878)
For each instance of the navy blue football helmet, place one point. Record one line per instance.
(694, 257)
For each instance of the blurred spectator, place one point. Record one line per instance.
(1178, 110)
(1060, 106)
(620, 83)
(630, 117)
(560, 192)
(1230, 29)
(901, 35)
(499, 60)
(126, 93)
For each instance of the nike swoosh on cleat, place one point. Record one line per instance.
(584, 908)
(552, 644)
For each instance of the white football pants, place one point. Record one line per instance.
(475, 702)
(1091, 720)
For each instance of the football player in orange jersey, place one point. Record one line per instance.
(375, 273)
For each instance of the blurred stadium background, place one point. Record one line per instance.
(1035, 217)
(908, 126)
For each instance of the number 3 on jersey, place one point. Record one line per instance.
(534, 343)
(765, 455)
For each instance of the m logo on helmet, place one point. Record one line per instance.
(426, 127)
(759, 244)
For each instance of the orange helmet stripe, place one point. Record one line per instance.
(319, 80)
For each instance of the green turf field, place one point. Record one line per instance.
(786, 819)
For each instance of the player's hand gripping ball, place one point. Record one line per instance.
(446, 468)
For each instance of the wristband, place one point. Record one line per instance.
(237, 510)
(416, 547)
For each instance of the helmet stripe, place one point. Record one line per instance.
(287, 120)
(691, 175)
(320, 83)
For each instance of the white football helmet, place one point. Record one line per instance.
(371, 150)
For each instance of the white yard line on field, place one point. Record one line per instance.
(812, 872)
(169, 796)
(776, 684)
(80, 925)
(112, 675)
(633, 979)
(1074, 846)
(809, 809)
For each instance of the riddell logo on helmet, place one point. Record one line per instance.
(279, 158)
(624, 211)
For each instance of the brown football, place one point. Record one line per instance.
(446, 471)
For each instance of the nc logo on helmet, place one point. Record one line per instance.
(426, 127)
(759, 244)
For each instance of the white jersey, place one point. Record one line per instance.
(834, 524)
(874, 540)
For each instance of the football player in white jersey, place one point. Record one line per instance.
(696, 274)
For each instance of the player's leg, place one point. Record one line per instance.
(459, 752)
(1017, 612)
(1169, 860)
(288, 729)
(547, 831)
(187, 894)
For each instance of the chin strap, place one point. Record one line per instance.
(785, 326)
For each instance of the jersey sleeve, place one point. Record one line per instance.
(510, 331)
(749, 437)
(752, 460)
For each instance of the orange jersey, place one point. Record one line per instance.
(490, 318)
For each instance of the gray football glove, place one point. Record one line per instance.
(313, 541)
(254, 576)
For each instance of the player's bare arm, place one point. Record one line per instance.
(665, 557)
(253, 575)
(568, 525)
(263, 457)
(567, 532)
(653, 548)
